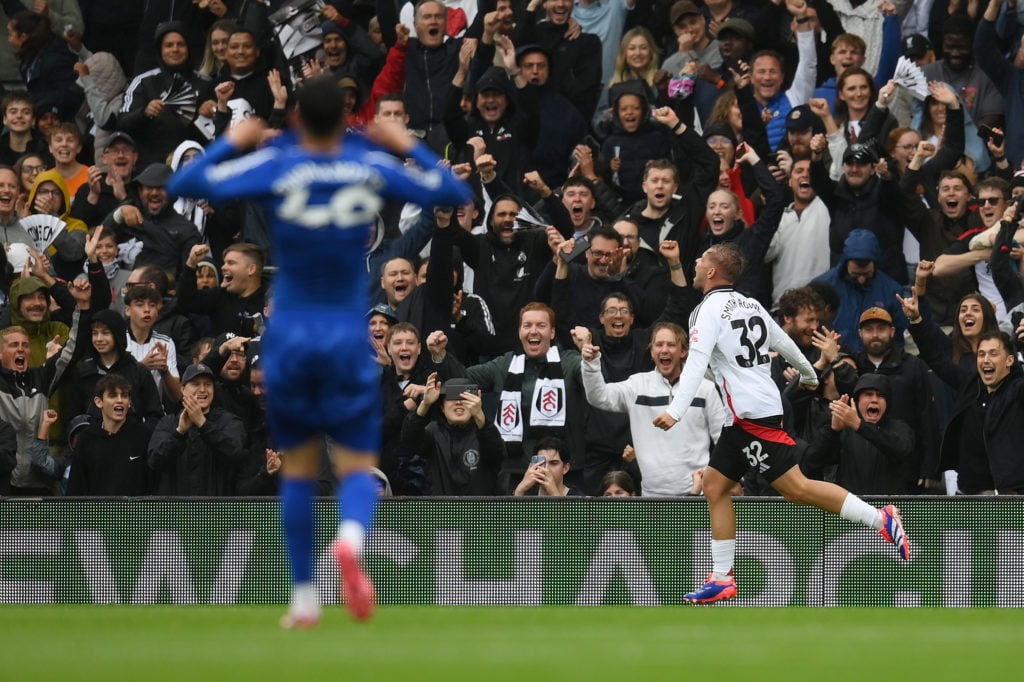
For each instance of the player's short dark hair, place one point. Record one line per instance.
(727, 259)
(955, 175)
(795, 300)
(112, 383)
(1003, 338)
(320, 105)
(554, 443)
(142, 293)
(253, 252)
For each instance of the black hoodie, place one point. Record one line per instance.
(146, 405)
(183, 91)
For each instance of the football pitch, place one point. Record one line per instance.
(503, 643)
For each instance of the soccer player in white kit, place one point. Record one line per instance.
(733, 334)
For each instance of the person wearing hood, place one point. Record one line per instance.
(349, 50)
(104, 82)
(166, 236)
(506, 261)
(229, 361)
(638, 135)
(724, 224)
(45, 64)
(25, 390)
(861, 284)
(870, 446)
(49, 195)
(108, 354)
(504, 115)
(160, 105)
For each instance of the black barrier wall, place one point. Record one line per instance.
(965, 552)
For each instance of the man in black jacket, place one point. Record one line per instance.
(870, 447)
(237, 305)
(165, 235)
(463, 449)
(982, 439)
(200, 451)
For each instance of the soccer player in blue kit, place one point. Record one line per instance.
(733, 333)
(322, 190)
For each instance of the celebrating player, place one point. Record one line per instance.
(734, 334)
(323, 191)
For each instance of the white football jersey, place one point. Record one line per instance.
(734, 334)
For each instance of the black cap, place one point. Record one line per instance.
(196, 370)
(119, 136)
(454, 388)
(916, 46)
(329, 27)
(155, 175)
(524, 50)
(872, 381)
(862, 153)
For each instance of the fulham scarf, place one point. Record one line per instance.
(547, 405)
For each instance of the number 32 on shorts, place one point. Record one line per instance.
(755, 453)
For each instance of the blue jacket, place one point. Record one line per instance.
(854, 299)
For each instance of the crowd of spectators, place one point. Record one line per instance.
(865, 158)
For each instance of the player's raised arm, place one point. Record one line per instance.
(425, 184)
(217, 176)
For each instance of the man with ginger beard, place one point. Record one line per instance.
(799, 249)
(539, 388)
(870, 446)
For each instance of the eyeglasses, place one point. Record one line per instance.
(907, 147)
(601, 255)
(617, 311)
(630, 238)
(52, 192)
(32, 169)
(990, 201)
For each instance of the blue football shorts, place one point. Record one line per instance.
(321, 378)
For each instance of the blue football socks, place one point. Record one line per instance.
(297, 519)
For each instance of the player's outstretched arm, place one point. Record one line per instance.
(212, 176)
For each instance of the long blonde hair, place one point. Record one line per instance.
(622, 71)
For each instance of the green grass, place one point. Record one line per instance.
(145, 644)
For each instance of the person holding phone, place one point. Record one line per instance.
(547, 471)
(462, 448)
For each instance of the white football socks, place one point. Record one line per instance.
(857, 510)
(723, 553)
